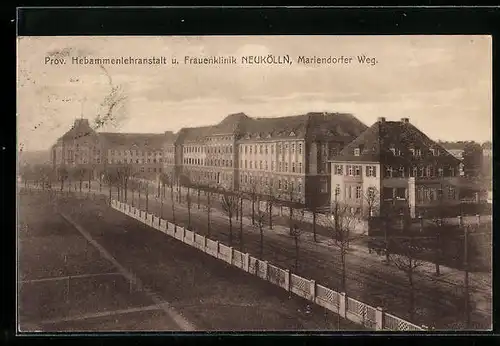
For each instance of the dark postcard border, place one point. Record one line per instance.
(228, 21)
(255, 21)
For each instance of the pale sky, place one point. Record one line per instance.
(442, 83)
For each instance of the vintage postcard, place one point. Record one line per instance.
(254, 183)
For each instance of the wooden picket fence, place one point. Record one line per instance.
(347, 307)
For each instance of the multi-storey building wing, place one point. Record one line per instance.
(82, 147)
(289, 154)
(393, 167)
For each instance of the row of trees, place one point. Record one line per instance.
(404, 252)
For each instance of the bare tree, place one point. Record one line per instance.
(405, 257)
(123, 172)
(229, 203)
(261, 219)
(254, 193)
(273, 196)
(295, 222)
(80, 173)
(342, 223)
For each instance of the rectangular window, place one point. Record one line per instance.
(293, 148)
(286, 167)
(300, 148)
(401, 172)
(339, 169)
(349, 192)
(293, 167)
(349, 170)
(358, 192)
(451, 192)
(272, 165)
(300, 167)
(388, 171)
(357, 171)
(356, 152)
(265, 162)
(401, 193)
(266, 149)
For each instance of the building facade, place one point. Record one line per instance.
(286, 157)
(394, 168)
(82, 149)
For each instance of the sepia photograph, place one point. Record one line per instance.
(254, 183)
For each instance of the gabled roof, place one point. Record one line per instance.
(375, 144)
(313, 125)
(81, 128)
(129, 140)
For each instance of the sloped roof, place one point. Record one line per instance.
(81, 128)
(128, 140)
(376, 141)
(313, 125)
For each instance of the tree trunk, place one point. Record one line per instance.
(110, 194)
(270, 214)
(342, 259)
(147, 197)
(90, 179)
(81, 183)
(291, 220)
(208, 214)
(314, 225)
(198, 198)
(296, 254)
(253, 210)
(230, 229)
(241, 224)
(139, 198)
(188, 200)
(173, 200)
(438, 255)
(161, 207)
(412, 291)
(261, 240)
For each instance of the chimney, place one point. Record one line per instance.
(381, 120)
(405, 120)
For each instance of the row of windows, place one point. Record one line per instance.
(396, 172)
(266, 148)
(417, 152)
(135, 153)
(281, 184)
(419, 171)
(226, 149)
(112, 160)
(430, 194)
(152, 170)
(263, 165)
(355, 170)
(208, 162)
(80, 161)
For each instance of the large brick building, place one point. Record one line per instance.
(393, 167)
(82, 147)
(289, 154)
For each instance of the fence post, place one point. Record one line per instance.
(265, 270)
(247, 262)
(204, 243)
(231, 255)
(379, 318)
(183, 234)
(287, 279)
(343, 304)
(217, 247)
(312, 290)
(478, 219)
(460, 221)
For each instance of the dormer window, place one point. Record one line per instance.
(393, 151)
(418, 152)
(357, 152)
